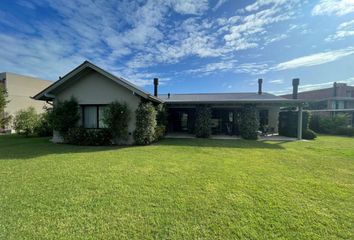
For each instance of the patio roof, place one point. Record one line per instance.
(247, 97)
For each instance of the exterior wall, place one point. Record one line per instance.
(95, 88)
(20, 89)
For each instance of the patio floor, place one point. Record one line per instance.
(274, 137)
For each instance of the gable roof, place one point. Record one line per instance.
(224, 98)
(47, 96)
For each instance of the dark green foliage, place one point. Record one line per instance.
(249, 123)
(161, 117)
(116, 117)
(288, 122)
(44, 127)
(308, 134)
(203, 121)
(329, 125)
(26, 121)
(145, 124)
(89, 137)
(65, 116)
(315, 123)
(4, 120)
(159, 132)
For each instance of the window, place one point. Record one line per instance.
(92, 116)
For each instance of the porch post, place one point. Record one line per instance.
(299, 123)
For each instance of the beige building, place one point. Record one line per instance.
(19, 90)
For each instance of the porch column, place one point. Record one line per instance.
(299, 123)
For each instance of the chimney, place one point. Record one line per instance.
(296, 82)
(156, 83)
(335, 89)
(260, 82)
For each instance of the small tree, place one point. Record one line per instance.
(203, 121)
(65, 116)
(145, 124)
(26, 121)
(44, 127)
(116, 118)
(4, 120)
(249, 122)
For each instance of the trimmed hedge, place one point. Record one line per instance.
(249, 122)
(203, 121)
(145, 124)
(288, 122)
(88, 137)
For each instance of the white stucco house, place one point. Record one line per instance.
(95, 88)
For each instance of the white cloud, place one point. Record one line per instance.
(219, 4)
(333, 7)
(344, 30)
(314, 59)
(276, 81)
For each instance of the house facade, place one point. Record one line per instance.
(95, 88)
(19, 90)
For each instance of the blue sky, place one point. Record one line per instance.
(191, 45)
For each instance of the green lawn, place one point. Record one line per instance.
(177, 189)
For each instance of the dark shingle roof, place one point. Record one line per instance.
(222, 97)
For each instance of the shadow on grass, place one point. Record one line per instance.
(219, 143)
(13, 147)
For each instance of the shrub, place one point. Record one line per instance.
(308, 134)
(116, 117)
(249, 123)
(26, 121)
(161, 117)
(337, 124)
(159, 132)
(88, 137)
(44, 127)
(65, 116)
(203, 121)
(288, 122)
(145, 124)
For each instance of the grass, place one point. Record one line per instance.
(177, 189)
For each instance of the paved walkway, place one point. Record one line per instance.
(227, 137)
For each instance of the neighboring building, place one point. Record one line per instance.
(19, 90)
(330, 101)
(95, 88)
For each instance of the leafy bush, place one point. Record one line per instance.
(249, 123)
(308, 134)
(44, 127)
(337, 125)
(159, 132)
(203, 121)
(161, 117)
(145, 124)
(65, 116)
(26, 121)
(88, 137)
(116, 117)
